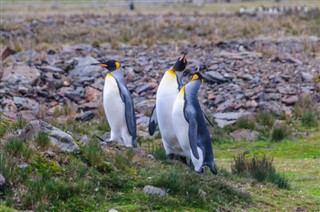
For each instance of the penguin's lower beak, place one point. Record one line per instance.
(99, 64)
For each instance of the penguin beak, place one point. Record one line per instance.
(183, 58)
(99, 64)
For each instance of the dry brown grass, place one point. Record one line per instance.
(148, 29)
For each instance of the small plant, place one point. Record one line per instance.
(94, 155)
(280, 132)
(3, 130)
(260, 168)
(304, 105)
(309, 120)
(7, 168)
(246, 122)
(266, 118)
(20, 123)
(42, 140)
(160, 154)
(14, 146)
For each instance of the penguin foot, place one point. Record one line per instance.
(183, 159)
(171, 156)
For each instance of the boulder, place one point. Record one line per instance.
(20, 74)
(58, 138)
(148, 189)
(244, 135)
(85, 69)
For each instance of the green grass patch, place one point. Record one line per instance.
(42, 140)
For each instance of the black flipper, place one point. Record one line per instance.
(153, 121)
(207, 119)
(193, 129)
(129, 111)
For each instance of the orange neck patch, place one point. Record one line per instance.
(109, 74)
(171, 72)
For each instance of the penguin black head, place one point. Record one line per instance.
(111, 65)
(181, 63)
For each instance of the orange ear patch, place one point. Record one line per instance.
(195, 77)
(117, 64)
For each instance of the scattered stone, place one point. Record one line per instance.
(306, 76)
(148, 189)
(26, 103)
(57, 137)
(230, 115)
(244, 135)
(151, 157)
(20, 74)
(2, 180)
(291, 100)
(214, 76)
(91, 94)
(222, 123)
(23, 165)
(85, 69)
(113, 210)
(87, 116)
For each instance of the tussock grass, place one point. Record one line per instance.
(246, 122)
(280, 132)
(42, 140)
(15, 147)
(260, 168)
(265, 118)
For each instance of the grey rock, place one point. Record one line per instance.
(148, 189)
(306, 76)
(230, 115)
(222, 123)
(87, 116)
(57, 137)
(25, 103)
(2, 179)
(142, 88)
(21, 74)
(214, 76)
(226, 105)
(52, 69)
(272, 106)
(291, 100)
(244, 135)
(151, 157)
(22, 165)
(112, 210)
(85, 69)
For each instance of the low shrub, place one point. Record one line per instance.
(280, 132)
(260, 168)
(42, 140)
(246, 122)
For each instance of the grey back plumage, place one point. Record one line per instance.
(129, 108)
(199, 135)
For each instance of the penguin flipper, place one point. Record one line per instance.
(207, 119)
(153, 121)
(192, 133)
(129, 112)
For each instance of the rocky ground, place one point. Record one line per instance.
(241, 77)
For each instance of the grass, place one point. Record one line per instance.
(42, 140)
(280, 132)
(260, 168)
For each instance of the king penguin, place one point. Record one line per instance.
(118, 105)
(168, 89)
(190, 126)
